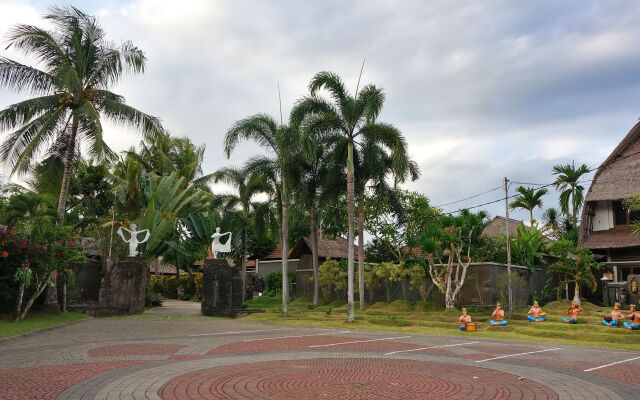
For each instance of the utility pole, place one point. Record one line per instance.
(506, 204)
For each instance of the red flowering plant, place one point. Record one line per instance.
(31, 258)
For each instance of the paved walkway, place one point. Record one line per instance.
(203, 358)
(176, 307)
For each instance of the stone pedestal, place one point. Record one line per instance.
(221, 289)
(123, 288)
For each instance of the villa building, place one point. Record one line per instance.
(606, 224)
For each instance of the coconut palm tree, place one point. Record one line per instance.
(78, 68)
(529, 199)
(348, 120)
(281, 141)
(571, 193)
(247, 185)
(164, 154)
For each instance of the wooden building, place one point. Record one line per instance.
(606, 225)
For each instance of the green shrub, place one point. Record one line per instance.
(153, 299)
(273, 283)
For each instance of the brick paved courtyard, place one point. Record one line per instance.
(237, 359)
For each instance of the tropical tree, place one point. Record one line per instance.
(281, 141)
(241, 205)
(577, 265)
(163, 154)
(373, 166)
(551, 219)
(317, 177)
(349, 120)
(449, 241)
(571, 192)
(529, 199)
(79, 67)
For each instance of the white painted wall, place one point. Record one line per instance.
(603, 218)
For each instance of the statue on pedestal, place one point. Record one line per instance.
(133, 240)
(218, 247)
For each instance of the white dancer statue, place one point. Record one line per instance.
(218, 247)
(133, 241)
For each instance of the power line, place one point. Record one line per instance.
(468, 198)
(540, 186)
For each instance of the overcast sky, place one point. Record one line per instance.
(481, 90)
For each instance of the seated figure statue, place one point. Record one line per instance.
(464, 320)
(573, 311)
(536, 314)
(634, 317)
(614, 317)
(498, 316)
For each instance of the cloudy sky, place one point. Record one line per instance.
(481, 90)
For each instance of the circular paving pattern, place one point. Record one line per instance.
(351, 379)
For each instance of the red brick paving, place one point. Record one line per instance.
(137, 349)
(303, 343)
(344, 379)
(47, 381)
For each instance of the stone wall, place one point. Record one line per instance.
(123, 287)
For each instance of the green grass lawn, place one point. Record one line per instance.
(36, 321)
(423, 318)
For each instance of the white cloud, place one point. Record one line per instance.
(481, 90)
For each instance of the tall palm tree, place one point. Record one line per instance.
(373, 166)
(79, 66)
(246, 185)
(280, 140)
(348, 120)
(571, 193)
(317, 177)
(529, 199)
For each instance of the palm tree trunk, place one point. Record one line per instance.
(361, 250)
(16, 313)
(350, 212)
(576, 294)
(51, 297)
(243, 272)
(531, 216)
(285, 248)
(314, 256)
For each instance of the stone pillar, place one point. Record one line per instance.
(236, 289)
(217, 287)
(123, 287)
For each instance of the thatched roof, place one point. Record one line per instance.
(618, 177)
(334, 248)
(497, 226)
(611, 239)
